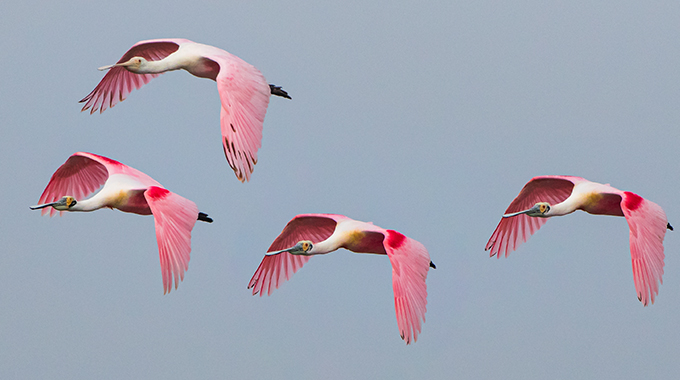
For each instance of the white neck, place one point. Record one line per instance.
(157, 67)
(329, 245)
(568, 206)
(94, 203)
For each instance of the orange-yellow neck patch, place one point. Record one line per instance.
(591, 199)
(355, 237)
(119, 198)
(365, 242)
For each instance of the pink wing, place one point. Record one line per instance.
(244, 94)
(511, 232)
(276, 269)
(119, 82)
(410, 263)
(174, 217)
(647, 223)
(79, 176)
(82, 174)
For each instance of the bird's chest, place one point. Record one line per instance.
(602, 204)
(117, 199)
(204, 68)
(364, 242)
(130, 201)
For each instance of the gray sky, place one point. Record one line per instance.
(427, 119)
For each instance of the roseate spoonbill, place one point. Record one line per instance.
(547, 196)
(244, 93)
(317, 234)
(128, 190)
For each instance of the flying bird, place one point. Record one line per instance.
(128, 190)
(316, 234)
(547, 196)
(244, 93)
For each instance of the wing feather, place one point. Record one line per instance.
(511, 232)
(647, 223)
(275, 269)
(244, 94)
(410, 264)
(119, 82)
(174, 217)
(80, 176)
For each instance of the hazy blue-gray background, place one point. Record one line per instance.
(425, 118)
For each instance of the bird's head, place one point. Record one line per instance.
(134, 64)
(303, 247)
(64, 204)
(540, 209)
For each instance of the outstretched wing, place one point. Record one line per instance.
(410, 264)
(647, 223)
(275, 269)
(174, 217)
(244, 94)
(79, 176)
(119, 82)
(82, 174)
(511, 232)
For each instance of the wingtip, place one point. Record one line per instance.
(668, 226)
(239, 174)
(407, 341)
(432, 265)
(252, 285)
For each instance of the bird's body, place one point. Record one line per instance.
(129, 190)
(315, 234)
(121, 192)
(562, 195)
(244, 92)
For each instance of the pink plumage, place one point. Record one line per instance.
(244, 92)
(565, 194)
(276, 269)
(128, 190)
(82, 174)
(118, 82)
(329, 232)
(511, 232)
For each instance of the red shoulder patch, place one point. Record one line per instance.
(633, 200)
(395, 239)
(157, 193)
